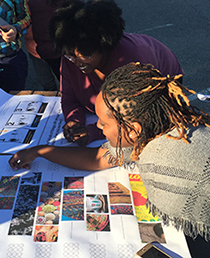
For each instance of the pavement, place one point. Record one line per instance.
(182, 25)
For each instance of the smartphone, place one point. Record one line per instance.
(151, 251)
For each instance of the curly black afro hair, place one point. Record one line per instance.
(96, 25)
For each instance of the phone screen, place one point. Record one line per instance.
(154, 253)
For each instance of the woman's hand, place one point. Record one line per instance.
(73, 132)
(8, 33)
(23, 158)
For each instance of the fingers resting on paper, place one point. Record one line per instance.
(22, 159)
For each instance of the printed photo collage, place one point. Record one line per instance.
(23, 122)
(39, 207)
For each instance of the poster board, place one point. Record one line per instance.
(29, 225)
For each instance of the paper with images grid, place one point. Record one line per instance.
(24, 118)
(29, 120)
(123, 239)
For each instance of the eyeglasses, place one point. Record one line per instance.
(72, 58)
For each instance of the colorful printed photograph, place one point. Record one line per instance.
(96, 203)
(96, 222)
(151, 232)
(8, 189)
(49, 204)
(121, 209)
(46, 234)
(6, 203)
(8, 185)
(31, 178)
(74, 183)
(139, 194)
(24, 211)
(118, 193)
(73, 205)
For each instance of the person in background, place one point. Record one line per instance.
(45, 59)
(13, 61)
(45, 75)
(91, 38)
(147, 119)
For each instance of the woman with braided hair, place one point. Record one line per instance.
(147, 119)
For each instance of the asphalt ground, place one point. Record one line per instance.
(182, 25)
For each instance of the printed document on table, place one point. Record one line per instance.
(30, 120)
(51, 211)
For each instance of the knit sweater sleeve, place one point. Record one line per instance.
(23, 20)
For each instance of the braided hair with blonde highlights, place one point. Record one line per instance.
(140, 93)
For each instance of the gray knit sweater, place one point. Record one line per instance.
(177, 178)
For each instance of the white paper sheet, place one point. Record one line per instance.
(123, 239)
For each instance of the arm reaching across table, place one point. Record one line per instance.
(73, 157)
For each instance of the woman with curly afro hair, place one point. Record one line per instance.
(91, 37)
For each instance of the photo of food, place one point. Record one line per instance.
(49, 204)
